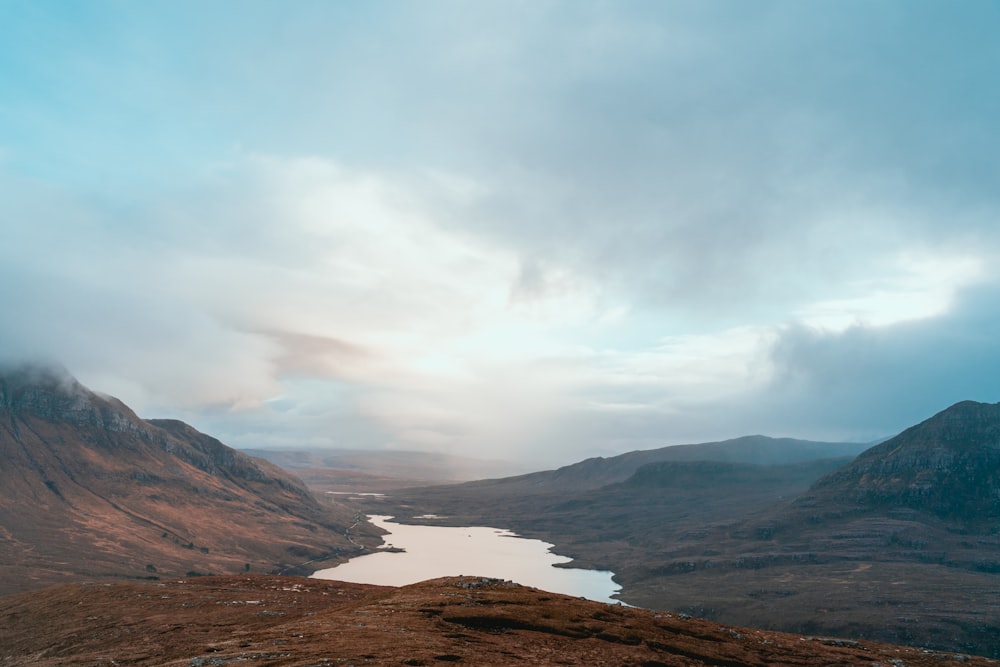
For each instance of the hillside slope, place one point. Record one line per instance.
(901, 544)
(946, 467)
(91, 490)
(266, 620)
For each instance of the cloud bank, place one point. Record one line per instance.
(533, 231)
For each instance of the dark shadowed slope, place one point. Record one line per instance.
(600, 471)
(88, 489)
(947, 467)
(901, 544)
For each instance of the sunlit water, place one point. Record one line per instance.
(438, 551)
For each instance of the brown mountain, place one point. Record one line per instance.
(268, 620)
(88, 489)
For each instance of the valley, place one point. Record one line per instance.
(625, 333)
(895, 543)
(900, 544)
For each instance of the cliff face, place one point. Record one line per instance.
(947, 466)
(90, 489)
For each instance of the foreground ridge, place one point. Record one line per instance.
(274, 620)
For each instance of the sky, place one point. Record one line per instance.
(524, 230)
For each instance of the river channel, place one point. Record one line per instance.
(440, 551)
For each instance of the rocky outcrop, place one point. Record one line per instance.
(51, 393)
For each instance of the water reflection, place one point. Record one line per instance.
(439, 551)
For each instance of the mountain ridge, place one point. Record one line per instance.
(596, 472)
(947, 466)
(90, 489)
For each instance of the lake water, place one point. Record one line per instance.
(439, 551)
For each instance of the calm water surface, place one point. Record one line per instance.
(439, 551)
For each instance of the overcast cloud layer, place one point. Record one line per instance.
(537, 231)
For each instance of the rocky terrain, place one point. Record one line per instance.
(88, 489)
(269, 620)
(900, 544)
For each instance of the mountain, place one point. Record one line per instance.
(900, 544)
(88, 489)
(267, 620)
(594, 473)
(947, 467)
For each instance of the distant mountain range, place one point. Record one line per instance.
(597, 472)
(88, 489)
(370, 470)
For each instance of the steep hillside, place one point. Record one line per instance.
(266, 620)
(91, 490)
(947, 467)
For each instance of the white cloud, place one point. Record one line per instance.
(287, 300)
(528, 227)
(913, 285)
(301, 267)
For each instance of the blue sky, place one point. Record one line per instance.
(525, 230)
